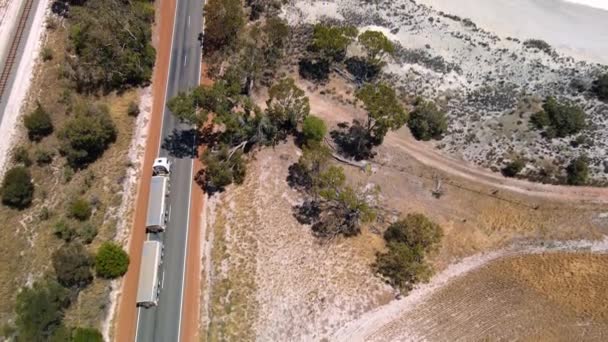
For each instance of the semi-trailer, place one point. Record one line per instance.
(157, 214)
(148, 287)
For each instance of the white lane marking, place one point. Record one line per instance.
(185, 59)
(162, 283)
(169, 216)
(188, 21)
(137, 324)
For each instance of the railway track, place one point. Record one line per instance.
(14, 47)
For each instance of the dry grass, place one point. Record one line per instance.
(28, 241)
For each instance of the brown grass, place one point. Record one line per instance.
(28, 242)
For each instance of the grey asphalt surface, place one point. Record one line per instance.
(13, 75)
(162, 323)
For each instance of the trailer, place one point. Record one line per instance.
(149, 283)
(157, 214)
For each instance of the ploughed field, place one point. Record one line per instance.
(557, 296)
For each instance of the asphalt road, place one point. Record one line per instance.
(162, 323)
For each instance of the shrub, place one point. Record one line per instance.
(87, 136)
(64, 231)
(133, 109)
(72, 264)
(314, 70)
(538, 44)
(87, 233)
(22, 156)
(415, 230)
(80, 209)
(38, 124)
(513, 168)
(559, 119)
(427, 121)
(111, 261)
(17, 188)
(578, 171)
(313, 129)
(223, 169)
(39, 310)
(47, 54)
(43, 156)
(600, 87)
(86, 335)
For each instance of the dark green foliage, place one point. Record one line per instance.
(513, 168)
(287, 105)
(384, 111)
(22, 156)
(17, 188)
(80, 209)
(72, 264)
(38, 124)
(427, 122)
(86, 335)
(578, 171)
(111, 261)
(111, 44)
(559, 119)
(64, 231)
(304, 175)
(415, 230)
(39, 310)
(600, 87)
(224, 19)
(86, 136)
(408, 241)
(133, 109)
(377, 45)
(43, 156)
(313, 129)
(331, 41)
(222, 168)
(539, 44)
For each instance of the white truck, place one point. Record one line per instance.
(157, 215)
(149, 284)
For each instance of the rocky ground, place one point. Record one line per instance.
(488, 85)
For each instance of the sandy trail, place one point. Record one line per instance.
(374, 321)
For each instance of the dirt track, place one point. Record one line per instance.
(126, 319)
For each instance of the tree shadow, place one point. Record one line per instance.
(307, 212)
(182, 143)
(314, 70)
(362, 70)
(353, 141)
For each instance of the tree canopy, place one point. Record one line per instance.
(38, 124)
(86, 335)
(377, 45)
(72, 264)
(87, 135)
(287, 105)
(111, 261)
(427, 122)
(384, 111)
(415, 230)
(39, 310)
(112, 47)
(313, 129)
(578, 171)
(224, 19)
(332, 41)
(559, 119)
(17, 188)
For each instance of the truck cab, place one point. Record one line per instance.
(161, 167)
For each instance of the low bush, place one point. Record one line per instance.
(64, 231)
(39, 310)
(578, 171)
(80, 209)
(17, 188)
(313, 129)
(539, 44)
(111, 261)
(43, 156)
(86, 335)
(559, 119)
(133, 109)
(38, 124)
(427, 121)
(72, 264)
(22, 156)
(513, 168)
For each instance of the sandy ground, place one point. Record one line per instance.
(125, 322)
(24, 74)
(577, 30)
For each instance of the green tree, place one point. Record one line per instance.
(287, 105)
(224, 20)
(377, 45)
(86, 335)
(514, 167)
(304, 174)
(72, 264)
(427, 122)
(222, 168)
(415, 230)
(403, 266)
(39, 310)
(38, 124)
(80, 209)
(384, 111)
(22, 156)
(111, 261)
(600, 87)
(86, 136)
(559, 119)
(17, 188)
(578, 171)
(313, 129)
(331, 41)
